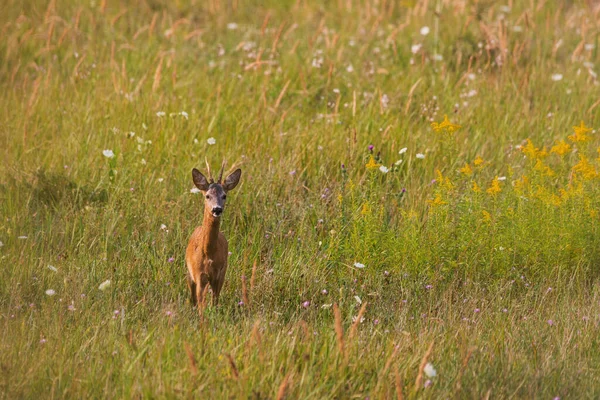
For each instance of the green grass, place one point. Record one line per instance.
(502, 284)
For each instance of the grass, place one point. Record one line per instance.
(480, 258)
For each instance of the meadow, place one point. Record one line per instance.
(418, 214)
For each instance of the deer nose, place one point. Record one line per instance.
(217, 210)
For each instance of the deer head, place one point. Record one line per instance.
(215, 193)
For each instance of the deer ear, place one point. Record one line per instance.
(199, 180)
(232, 180)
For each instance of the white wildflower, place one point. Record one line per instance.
(22, 237)
(415, 48)
(429, 370)
(384, 169)
(556, 77)
(358, 300)
(359, 265)
(424, 31)
(104, 285)
(184, 114)
(194, 190)
(161, 114)
(52, 268)
(350, 68)
(403, 150)
(211, 140)
(420, 156)
(108, 153)
(232, 26)
(50, 292)
(163, 227)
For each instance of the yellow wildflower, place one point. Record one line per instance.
(593, 213)
(372, 164)
(521, 184)
(437, 201)
(443, 181)
(564, 195)
(580, 133)
(467, 170)
(476, 187)
(494, 188)
(584, 167)
(543, 168)
(533, 152)
(445, 125)
(487, 217)
(561, 148)
(478, 161)
(366, 209)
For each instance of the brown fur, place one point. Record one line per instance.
(207, 251)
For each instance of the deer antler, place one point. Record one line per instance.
(221, 174)
(210, 178)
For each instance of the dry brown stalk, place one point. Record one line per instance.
(157, 75)
(281, 94)
(422, 367)
(339, 330)
(354, 326)
(463, 368)
(152, 24)
(234, 369)
(398, 384)
(283, 387)
(256, 333)
(191, 358)
(265, 23)
(253, 277)
(245, 292)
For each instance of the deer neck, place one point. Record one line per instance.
(210, 232)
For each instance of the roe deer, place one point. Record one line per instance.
(206, 254)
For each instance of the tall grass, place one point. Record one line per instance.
(354, 263)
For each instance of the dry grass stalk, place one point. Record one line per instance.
(281, 95)
(410, 93)
(339, 329)
(245, 291)
(283, 387)
(277, 36)
(398, 384)
(234, 369)
(152, 24)
(253, 277)
(114, 20)
(463, 368)
(422, 367)
(354, 326)
(34, 93)
(157, 75)
(256, 333)
(265, 23)
(191, 358)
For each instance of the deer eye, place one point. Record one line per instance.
(207, 197)
(224, 196)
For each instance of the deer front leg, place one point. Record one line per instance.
(201, 288)
(192, 287)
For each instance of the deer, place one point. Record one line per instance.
(207, 250)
